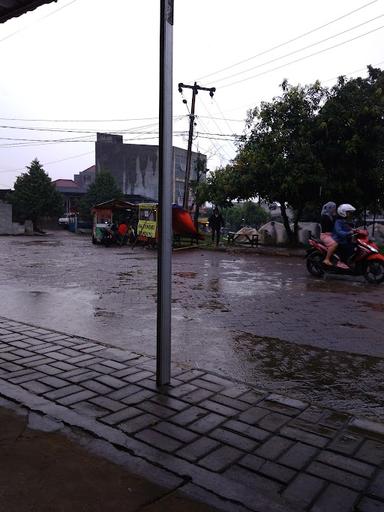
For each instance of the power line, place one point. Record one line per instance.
(352, 72)
(226, 120)
(25, 143)
(218, 127)
(290, 40)
(37, 21)
(53, 162)
(300, 49)
(219, 148)
(302, 58)
(247, 106)
(121, 120)
(221, 118)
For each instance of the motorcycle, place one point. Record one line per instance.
(366, 260)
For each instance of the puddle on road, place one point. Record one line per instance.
(186, 274)
(51, 243)
(37, 293)
(214, 305)
(353, 326)
(372, 305)
(345, 286)
(105, 314)
(350, 382)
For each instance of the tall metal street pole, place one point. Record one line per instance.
(195, 89)
(164, 259)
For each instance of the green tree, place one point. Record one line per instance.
(104, 188)
(35, 196)
(276, 158)
(245, 214)
(219, 188)
(350, 141)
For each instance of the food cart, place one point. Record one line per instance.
(147, 223)
(182, 224)
(106, 214)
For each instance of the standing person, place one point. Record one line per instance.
(122, 231)
(216, 222)
(327, 221)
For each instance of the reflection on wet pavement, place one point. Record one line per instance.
(255, 318)
(344, 381)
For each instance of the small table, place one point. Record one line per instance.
(252, 240)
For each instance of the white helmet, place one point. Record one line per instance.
(343, 209)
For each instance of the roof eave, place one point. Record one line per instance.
(21, 8)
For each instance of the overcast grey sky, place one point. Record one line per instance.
(74, 68)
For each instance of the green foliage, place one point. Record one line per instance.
(308, 146)
(350, 141)
(245, 214)
(276, 158)
(103, 189)
(218, 188)
(35, 196)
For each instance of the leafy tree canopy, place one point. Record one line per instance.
(104, 188)
(219, 187)
(245, 214)
(308, 146)
(350, 140)
(276, 158)
(35, 196)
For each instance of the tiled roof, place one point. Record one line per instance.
(61, 183)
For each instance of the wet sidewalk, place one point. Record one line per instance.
(216, 441)
(43, 469)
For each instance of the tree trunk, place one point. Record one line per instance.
(296, 226)
(290, 233)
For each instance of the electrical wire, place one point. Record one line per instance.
(216, 124)
(298, 50)
(222, 118)
(125, 120)
(351, 72)
(37, 21)
(302, 58)
(219, 149)
(289, 41)
(226, 120)
(248, 106)
(53, 162)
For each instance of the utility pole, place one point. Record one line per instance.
(200, 169)
(195, 89)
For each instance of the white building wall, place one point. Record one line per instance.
(5, 219)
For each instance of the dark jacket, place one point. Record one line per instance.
(216, 221)
(327, 224)
(342, 231)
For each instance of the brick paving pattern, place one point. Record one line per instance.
(223, 437)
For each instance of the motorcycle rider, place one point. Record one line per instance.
(328, 214)
(342, 231)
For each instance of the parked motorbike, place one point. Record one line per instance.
(111, 236)
(108, 236)
(366, 260)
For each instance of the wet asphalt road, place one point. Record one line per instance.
(259, 319)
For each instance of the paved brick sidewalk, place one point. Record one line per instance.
(221, 442)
